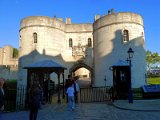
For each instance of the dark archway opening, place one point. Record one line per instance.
(84, 72)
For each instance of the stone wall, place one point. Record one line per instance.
(9, 72)
(8, 64)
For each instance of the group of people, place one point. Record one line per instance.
(36, 96)
(72, 91)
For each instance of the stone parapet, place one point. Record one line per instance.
(118, 18)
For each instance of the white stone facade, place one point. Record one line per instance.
(107, 45)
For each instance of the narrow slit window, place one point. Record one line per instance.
(89, 42)
(35, 37)
(70, 42)
(125, 36)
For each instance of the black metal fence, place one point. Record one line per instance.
(14, 99)
(96, 94)
(21, 98)
(10, 100)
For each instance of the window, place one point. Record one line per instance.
(70, 42)
(89, 42)
(35, 37)
(125, 36)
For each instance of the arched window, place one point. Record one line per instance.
(35, 37)
(89, 42)
(70, 42)
(125, 36)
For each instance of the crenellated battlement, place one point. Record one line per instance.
(117, 18)
(42, 21)
(55, 23)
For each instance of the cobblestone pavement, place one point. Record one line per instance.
(84, 111)
(139, 105)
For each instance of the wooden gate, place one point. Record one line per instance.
(95, 94)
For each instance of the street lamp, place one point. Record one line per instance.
(130, 92)
(130, 53)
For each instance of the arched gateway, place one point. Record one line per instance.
(79, 65)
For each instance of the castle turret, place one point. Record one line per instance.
(43, 34)
(113, 35)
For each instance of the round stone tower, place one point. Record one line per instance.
(40, 38)
(113, 35)
(41, 34)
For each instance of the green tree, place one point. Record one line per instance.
(151, 59)
(15, 53)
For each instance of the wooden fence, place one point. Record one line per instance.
(96, 94)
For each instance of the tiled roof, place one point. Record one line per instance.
(121, 63)
(45, 64)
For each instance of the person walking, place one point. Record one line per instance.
(75, 85)
(34, 101)
(70, 93)
(2, 96)
(67, 84)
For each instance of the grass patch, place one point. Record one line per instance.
(153, 80)
(137, 93)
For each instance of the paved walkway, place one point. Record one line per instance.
(139, 105)
(120, 110)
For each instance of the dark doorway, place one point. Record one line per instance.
(121, 80)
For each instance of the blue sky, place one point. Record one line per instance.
(81, 11)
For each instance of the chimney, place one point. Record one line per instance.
(96, 17)
(68, 21)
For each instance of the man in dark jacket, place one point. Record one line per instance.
(34, 100)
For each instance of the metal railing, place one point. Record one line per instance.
(96, 94)
(21, 98)
(10, 100)
(14, 99)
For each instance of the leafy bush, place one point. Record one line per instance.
(11, 84)
(15, 53)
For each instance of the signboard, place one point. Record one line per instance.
(151, 88)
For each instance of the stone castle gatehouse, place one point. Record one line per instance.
(87, 49)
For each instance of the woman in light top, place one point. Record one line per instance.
(71, 101)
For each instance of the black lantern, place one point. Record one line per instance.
(130, 53)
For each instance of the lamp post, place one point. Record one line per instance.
(130, 92)
(63, 87)
(105, 80)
